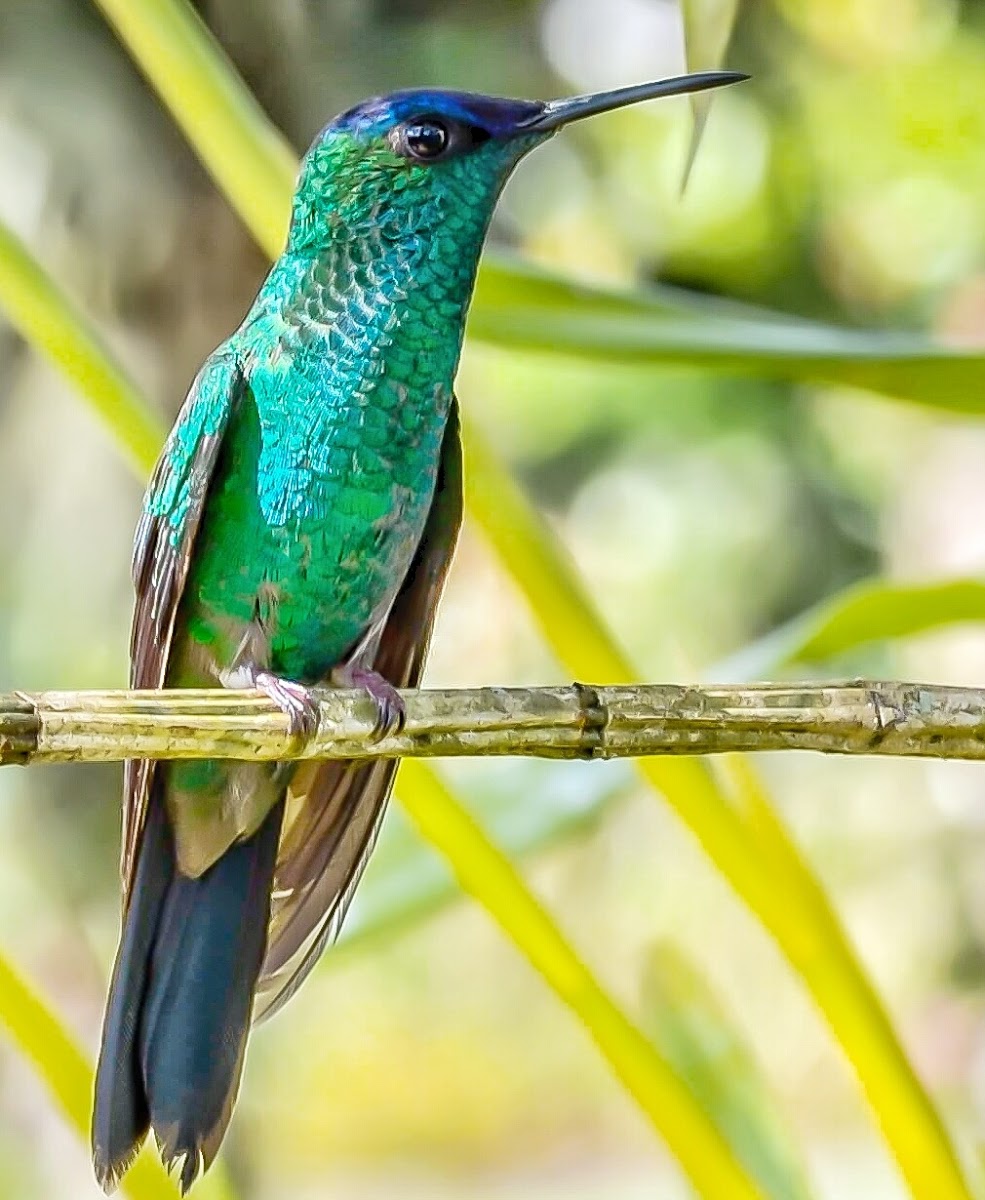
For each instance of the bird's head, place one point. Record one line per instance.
(408, 163)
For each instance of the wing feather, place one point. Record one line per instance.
(169, 521)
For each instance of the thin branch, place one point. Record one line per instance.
(902, 719)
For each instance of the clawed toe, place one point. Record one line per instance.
(302, 710)
(391, 712)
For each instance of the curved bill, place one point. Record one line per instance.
(562, 112)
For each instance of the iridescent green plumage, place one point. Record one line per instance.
(298, 527)
(348, 358)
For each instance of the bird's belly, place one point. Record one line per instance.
(302, 594)
(333, 580)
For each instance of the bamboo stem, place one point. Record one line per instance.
(860, 717)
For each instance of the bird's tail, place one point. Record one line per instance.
(180, 1001)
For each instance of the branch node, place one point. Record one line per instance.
(20, 729)
(594, 720)
(887, 718)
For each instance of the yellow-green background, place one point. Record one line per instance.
(706, 510)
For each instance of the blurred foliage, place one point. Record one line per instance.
(688, 1022)
(63, 1067)
(844, 186)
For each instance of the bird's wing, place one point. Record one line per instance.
(162, 553)
(335, 809)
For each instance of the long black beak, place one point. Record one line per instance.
(562, 112)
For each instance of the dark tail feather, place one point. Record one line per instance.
(180, 1001)
(121, 1117)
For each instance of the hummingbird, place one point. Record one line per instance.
(297, 530)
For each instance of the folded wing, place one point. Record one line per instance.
(334, 809)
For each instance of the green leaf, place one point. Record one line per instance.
(688, 1024)
(907, 367)
(485, 873)
(247, 156)
(872, 611)
(875, 610)
(707, 30)
(521, 307)
(43, 315)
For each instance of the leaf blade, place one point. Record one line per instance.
(43, 315)
(249, 159)
(41, 1038)
(707, 31)
(863, 613)
(688, 1023)
(487, 875)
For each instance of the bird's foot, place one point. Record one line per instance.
(390, 710)
(294, 700)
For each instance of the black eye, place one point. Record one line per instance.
(425, 139)
(428, 137)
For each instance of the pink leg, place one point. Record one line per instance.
(293, 699)
(390, 711)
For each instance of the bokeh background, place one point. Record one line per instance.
(845, 182)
